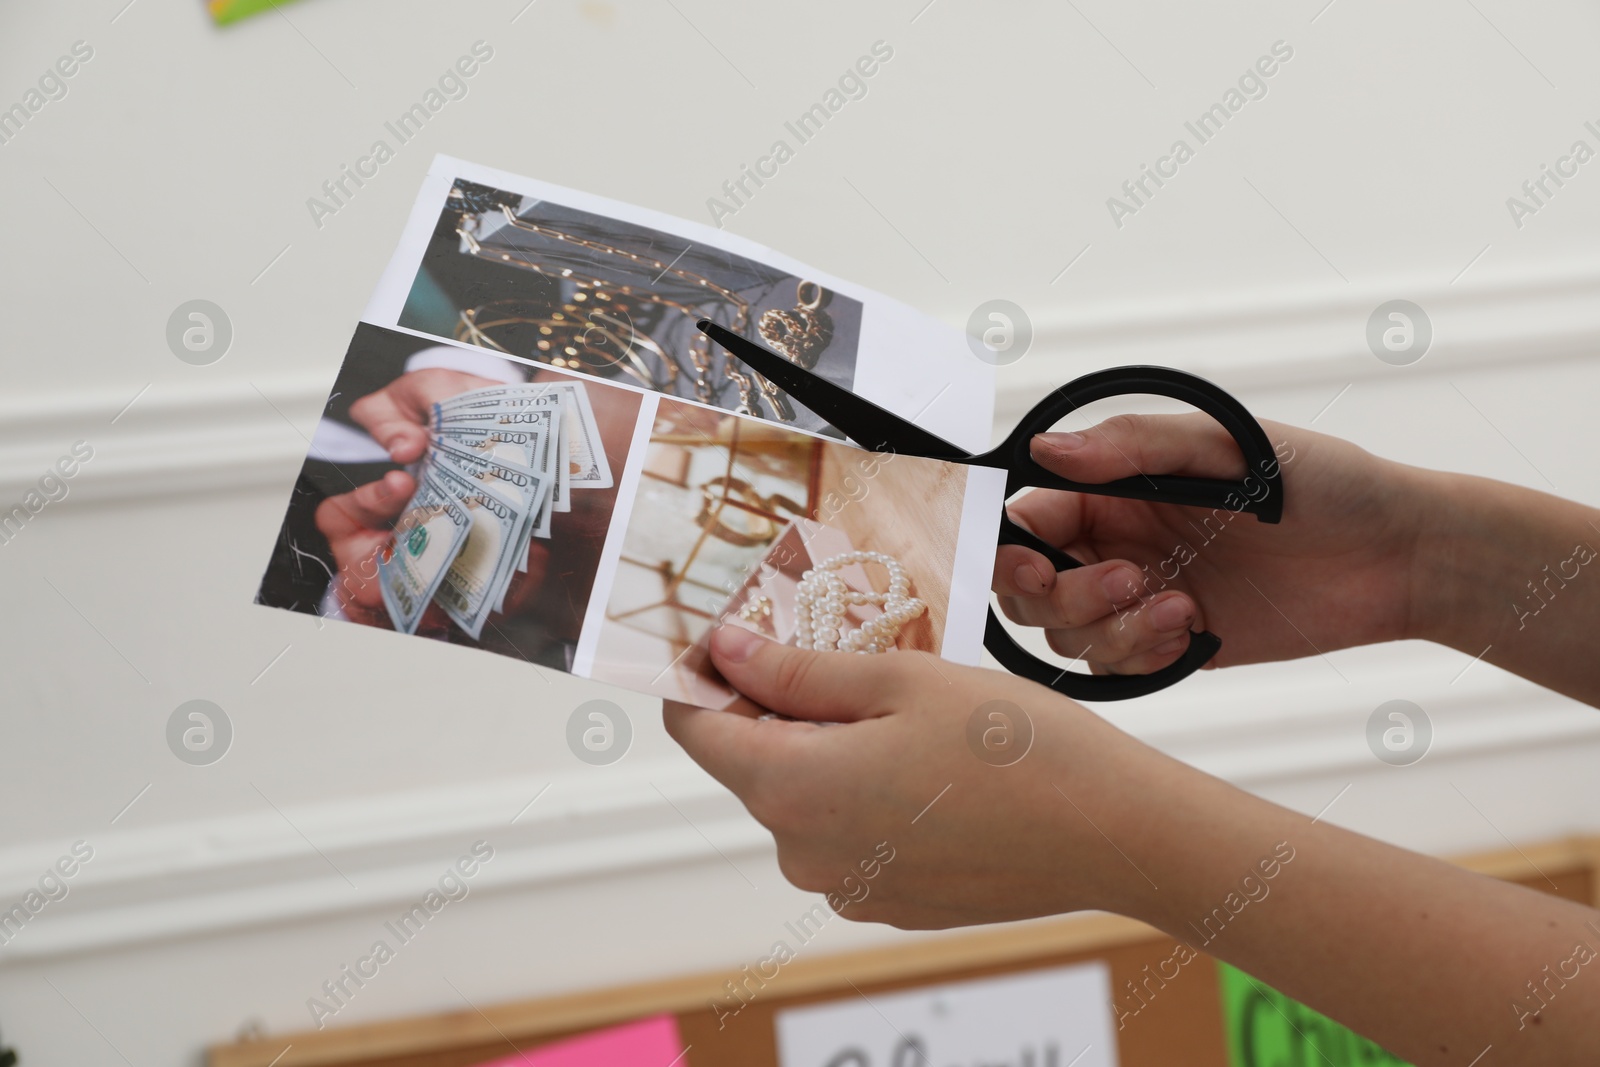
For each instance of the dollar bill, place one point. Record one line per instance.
(563, 497)
(533, 446)
(521, 483)
(476, 579)
(529, 487)
(427, 540)
(529, 446)
(588, 465)
(514, 407)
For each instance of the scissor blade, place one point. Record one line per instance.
(862, 421)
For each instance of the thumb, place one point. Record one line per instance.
(1192, 444)
(398, 415)
(801, 682)
(402, 432)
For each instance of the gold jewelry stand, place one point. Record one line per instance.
(595, 331)
(733, 520)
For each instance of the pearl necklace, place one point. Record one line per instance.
(822, 598)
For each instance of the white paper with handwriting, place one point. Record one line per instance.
(1055, 1017)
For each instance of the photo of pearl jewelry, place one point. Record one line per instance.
(756, 609)
(803, 541)
(822, 598)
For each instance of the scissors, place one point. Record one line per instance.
(1260, 492)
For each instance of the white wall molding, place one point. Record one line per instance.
(172, 439)
(228, 433)
(1311, 337)
(384, 852)
(1260, 735)
(376, 852)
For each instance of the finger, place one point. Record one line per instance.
(1117, 639)
(367, 507)
(1020, 571)
(804, 683)
(357, 559)
(1161, 656)
(1194, 444)
(1053, 515)
(1079, 597)
(735, 749)
(397, 417)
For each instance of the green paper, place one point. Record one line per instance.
(1267, 1029)
(226, 11)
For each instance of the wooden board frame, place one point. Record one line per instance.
(1183, 1024)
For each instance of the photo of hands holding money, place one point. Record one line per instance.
(457, 495)
(503, 459)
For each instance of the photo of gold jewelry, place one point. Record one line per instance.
(622, 300)
(596, 336)
(799, 335)
(760, 513)
(578, 349)
(717, 494)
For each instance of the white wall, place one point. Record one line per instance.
(978, 166)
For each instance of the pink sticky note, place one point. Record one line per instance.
(649, 1042)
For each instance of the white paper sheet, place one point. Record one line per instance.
(1058, 1017)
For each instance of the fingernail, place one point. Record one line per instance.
(1061, 442)
(734, 643)
(1119, 586)
(1029, 580)
(1170, 647)
(1171, 614)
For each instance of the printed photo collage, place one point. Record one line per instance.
(531, 450)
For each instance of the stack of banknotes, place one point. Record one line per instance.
(502, 461)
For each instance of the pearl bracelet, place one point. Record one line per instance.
(822, 598)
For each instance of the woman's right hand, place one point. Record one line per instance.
(1337, 571)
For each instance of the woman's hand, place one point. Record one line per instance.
(973, 842)
(1336, 572)
(898, 819)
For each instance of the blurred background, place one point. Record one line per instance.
(176, 163)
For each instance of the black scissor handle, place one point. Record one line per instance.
(1260, 492)
(1019, 661)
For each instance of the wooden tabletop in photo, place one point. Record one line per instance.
(911, 509)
